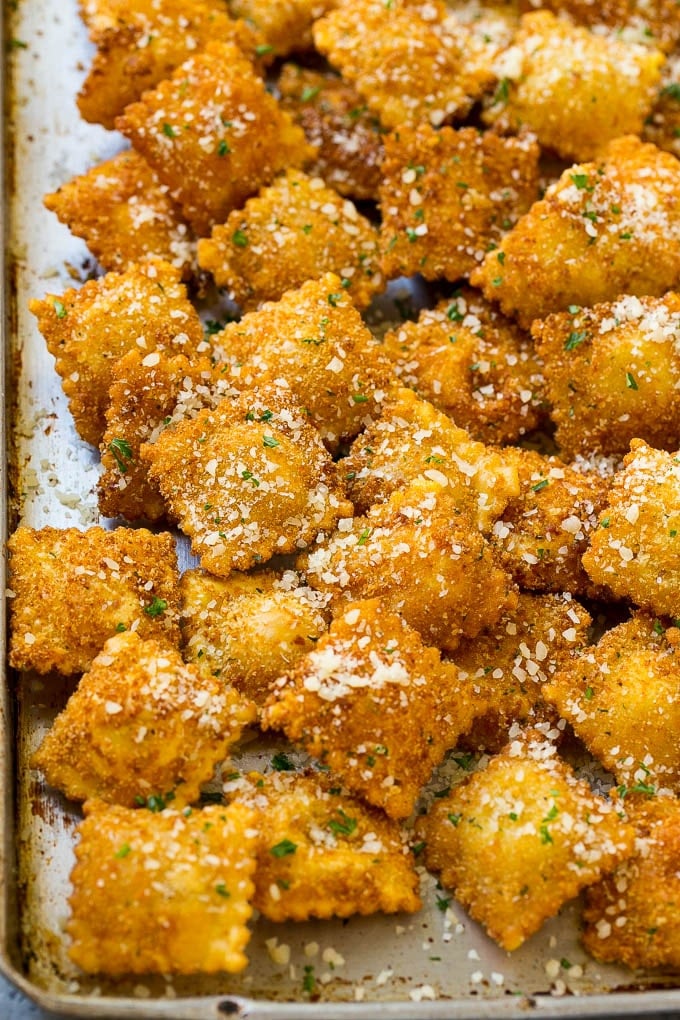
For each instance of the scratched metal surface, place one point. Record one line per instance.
(434, 964)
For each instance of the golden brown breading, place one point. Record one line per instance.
(473, 364)
(285, 25)
(402, 60)
(248, 629)
(577, 90)
(74, 589)
(124, 215)
(315, 340)
(141, 725)
(652, 22)
(295, 230)
(336, 120)
(543, 533)
(247, 480)
(368, 702)
(613, 374)
(141, 398)
(662, 127)
(522, 837)
(145, 308)
(633, 916)
(505, 667)
(448, 196)
(411, 438)
(634, 550)
(213, 134)
(423, 556)
(162, 893)
(604, 229)
(143, 43)
(325, 854)
(622, 698)
(491, 25)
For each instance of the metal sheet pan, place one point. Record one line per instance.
(432, 965)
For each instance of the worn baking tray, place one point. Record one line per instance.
(434, 964)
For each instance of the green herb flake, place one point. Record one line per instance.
(539, 486)
(222, 890)
(263, 49)
(334, 299)
(582, 182)
(282, 763)
(248, 476)
(359, 398)
(124, 851)
(156, 608)
(454, 819)
(418, 848)
(364, 536)
(60, 309)
(121, 451)
(589, 693)
(283, 849)
(443, 903)
(345, 827)
(270, 442)
(631, 383)
(574, 339)
(308, 981)
(309, 92)
(240, 239)
(169, 131)
(223, 148)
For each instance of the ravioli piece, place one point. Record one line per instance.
(141, 726)
(325, 854)
(74, 589)
(237, 140)
(368, 702)
(246, 480)
(162, 893)
(145, 308)
(521, 838)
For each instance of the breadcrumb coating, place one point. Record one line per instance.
(74, 589)
(162, 893)
(141, 725)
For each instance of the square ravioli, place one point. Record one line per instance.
(604, 229)
(577, 90)
(448, 196)
(249, 629)
(144, 393)
(368, 702)
(542, 534)
(633, 552)
(323, 853)
(141, 727)
(213, 134)
(632, 916)
(162, 893)
(423, 556)
(71, 590)
(402, 60)
(143, 44)
(622, 698)
(412, 439)
(521, 837)
(295, 230)
(337, 122)
(613, 374)
(474, 364)
(145, 308)
(286, 25)
(505, 667)
(315, 340)
(125, 215)
(246, 480)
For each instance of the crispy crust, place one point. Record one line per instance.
(633, 551)
(248, 629)
(622, 700)
(376, 718)
(86, 330)
(473, 364)
(226, 156)
(445, 198)
(325, 854)
(246, 480)
(74, 589)
(141, 723)
(522, 837)
(162, 893)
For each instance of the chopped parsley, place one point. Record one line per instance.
(124, 851)
(222, 890)
(169, 131)
(282, 763)
(631, 384)
(574, 339)
(59, 309)
(156, 608)
(240, 239)
(270, 442)
(283, 849)
(309, 92)
(121, 451)
(345, 827)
